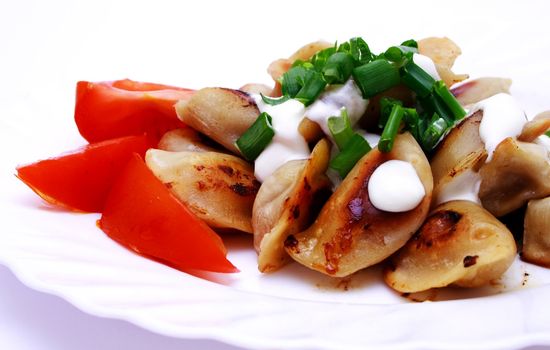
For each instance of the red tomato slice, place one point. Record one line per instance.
(142, 215)
(81, 180)
(107, 110)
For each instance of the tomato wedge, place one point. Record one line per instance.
(81, 179)
(144, 216)
(106, 110)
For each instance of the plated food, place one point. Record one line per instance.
(350, 160)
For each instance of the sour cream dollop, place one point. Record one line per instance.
(502, 118)
(331, 102)
(395, 187)
(287, 144)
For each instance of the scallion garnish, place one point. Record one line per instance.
(256, 138)
(434, 104)
(434, 132)
(413, 122)
(375, 77)
(319, 60)
(450, 101)
(355, 149)
(338, 67)
(386, 105)
(548, 133)
(358, 49)
(340, 128)
(416, 79)
(391, 128)
(302, 84)
(399, 54)
(273, 101)
(410, 43)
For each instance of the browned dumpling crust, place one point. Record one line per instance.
(350, 233)
(221, 114)
(460, 243)
(219, 188)
(284, 204)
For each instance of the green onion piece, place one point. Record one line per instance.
(375, 77)
(386, 105)
(312, 87)
(302, 84)
(390, 130)
(433, 133)
(416, 79)
(548, 133)
(434, 104)
(273, 101)
(394, 54)
(256, 138)
(320, 58)
(355, 149)
(410, 43)
(413, 122)
(450, 101)
(358, 49)
(338, 68)
(340, 128)
(290, 80)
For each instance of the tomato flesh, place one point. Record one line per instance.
(81, 180)
(106, 110)
(144, 216)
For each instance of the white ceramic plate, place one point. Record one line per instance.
(65, 254)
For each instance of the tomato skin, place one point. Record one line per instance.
(81, 180)
(111, 109)
(144, 216)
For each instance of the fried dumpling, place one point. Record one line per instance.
(350, 233)
(284, 203)
(460, 243)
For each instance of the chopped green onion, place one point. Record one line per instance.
(320, 58)
(390, 130)
(355, 149)
(450, 101)
(302, 84)
(375, 77)
(410, 43)
(434, 104)
(394, 54)
(338, 68)
(416, 79)
(548, 133)
(340, 128)
(399, 54)
(358, 49)
(273, 101)
(434, 132)
(256, 138)
(413, 122)
(386, 105)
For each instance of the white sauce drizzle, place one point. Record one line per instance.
(287, 144)
(463, 186)
(502, 118)
(395, 187)
(331, 102)
(427, 65)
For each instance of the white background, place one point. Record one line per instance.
(46, 46)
